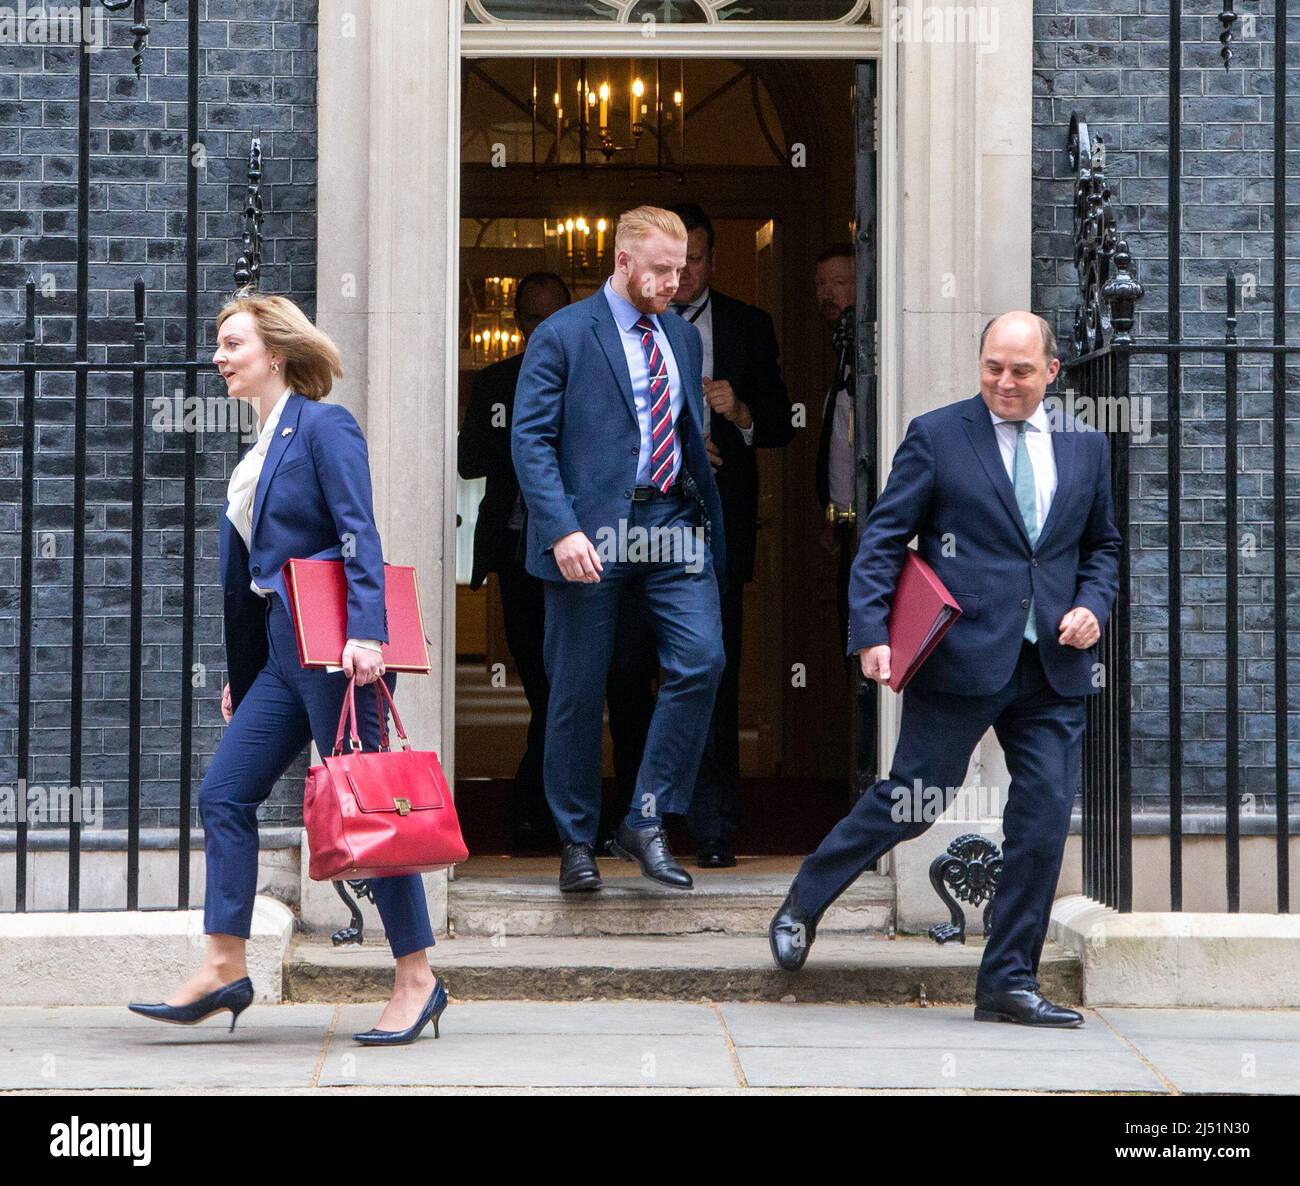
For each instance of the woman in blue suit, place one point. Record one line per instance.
(303, 490)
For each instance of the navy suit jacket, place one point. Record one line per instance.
(949, 488)
(313, 495)
(575, 438)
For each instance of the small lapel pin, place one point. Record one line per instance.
(284, 432)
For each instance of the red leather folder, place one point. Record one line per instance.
(318, 597)
(922, 613)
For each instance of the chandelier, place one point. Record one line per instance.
(608, 116)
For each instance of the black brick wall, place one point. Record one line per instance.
(1106, 58)
(257, 74)
(1109, 59)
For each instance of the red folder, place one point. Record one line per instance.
(921, 615)
(318, 598)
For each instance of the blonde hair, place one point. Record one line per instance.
(635, 225)
(311, 361)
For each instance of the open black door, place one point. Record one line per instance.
(866, 739)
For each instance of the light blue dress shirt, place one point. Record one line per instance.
(626, 315)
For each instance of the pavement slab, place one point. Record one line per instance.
(652, 1046)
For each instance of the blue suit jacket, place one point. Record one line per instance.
(575, 440)
(948, 480)
(313, 494)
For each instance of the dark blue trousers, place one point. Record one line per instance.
(1042, 736)
(285, 708)
(680, 600)
(715, 807)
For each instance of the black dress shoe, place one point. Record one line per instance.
(649, 848)
(578, 871)
(1026, 1006)
(791, 933)
(716, 855)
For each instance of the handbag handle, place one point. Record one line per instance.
(348, 717)
(381, 694)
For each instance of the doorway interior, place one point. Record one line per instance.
(767, 148)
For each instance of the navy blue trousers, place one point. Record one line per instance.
(679, 598)
(1042, 736)
(287, 706)
(715, 808)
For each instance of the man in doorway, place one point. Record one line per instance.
(835, 283)
(483, 451)
(745, 408)
(1014, 516)
(608, 445)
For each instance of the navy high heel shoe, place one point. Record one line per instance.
(431, 1012)
(235, 996)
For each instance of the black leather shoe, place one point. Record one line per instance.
(578, 871)
(1026, 1006)
(235, 996)
(649, 848)
(716, 855)
(791, 933)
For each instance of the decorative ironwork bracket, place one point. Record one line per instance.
(1227, 18)
(1108, 290)
(356, 932)
(139, 30)
(972, 867)
(248, 268)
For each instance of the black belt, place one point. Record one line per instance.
(646, 493)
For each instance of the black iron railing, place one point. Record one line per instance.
(40, 359)
(1097, 370)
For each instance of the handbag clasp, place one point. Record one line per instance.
(403, 806)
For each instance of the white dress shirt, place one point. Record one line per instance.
(1038, 440)
(242, 489)
(840, 462)
(626, 316)
(700, 314)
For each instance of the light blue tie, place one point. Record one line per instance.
(1027, 501)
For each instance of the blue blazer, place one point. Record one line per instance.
(313, 494)
(575, 439)
(949, 488)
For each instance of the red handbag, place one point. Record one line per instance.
(382, 814)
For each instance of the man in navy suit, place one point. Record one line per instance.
(1013, 513)
(609, 451)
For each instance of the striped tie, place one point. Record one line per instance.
(663, 440)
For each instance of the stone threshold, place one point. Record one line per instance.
(873, 970)
(1173, 958)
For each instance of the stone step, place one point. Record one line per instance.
(485, 902)
(869, 969)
